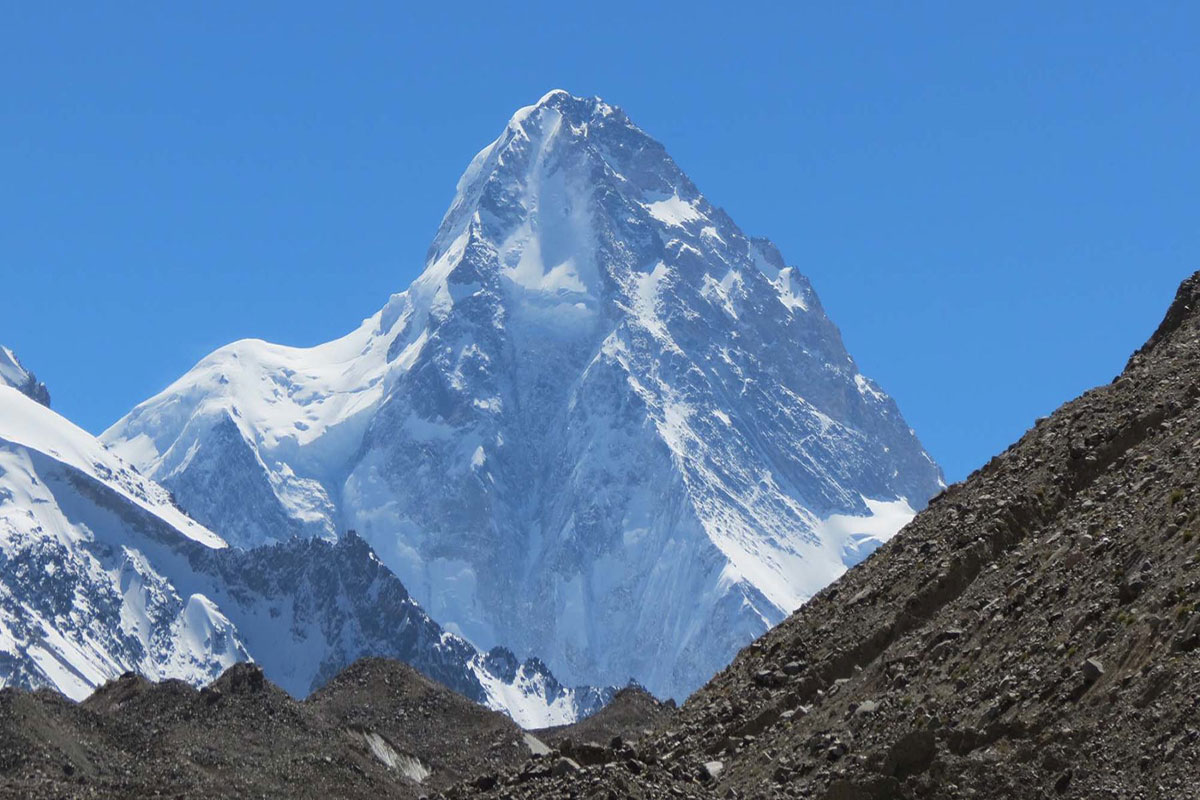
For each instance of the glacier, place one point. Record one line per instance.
(603, 426)
(101, 573)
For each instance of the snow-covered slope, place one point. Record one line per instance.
(100, 573)
(13, 374)
(82, 601)
(603, 426)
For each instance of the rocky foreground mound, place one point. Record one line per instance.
(379, 729)
(1034, 633)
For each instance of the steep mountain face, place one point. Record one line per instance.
(603, 426)
(1034, 633)
(100, 573)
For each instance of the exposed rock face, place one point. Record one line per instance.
(604, 427)
(1033, 633)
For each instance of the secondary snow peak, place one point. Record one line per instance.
(101, 573)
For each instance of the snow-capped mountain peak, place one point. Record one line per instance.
(603, 426)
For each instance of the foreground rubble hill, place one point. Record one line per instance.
(1034, 633)
(632, 714)
(379, 729)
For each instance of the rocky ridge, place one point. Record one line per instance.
(632, 714)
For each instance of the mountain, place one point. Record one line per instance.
(101, 573)
(603, 426)
(1034, 633)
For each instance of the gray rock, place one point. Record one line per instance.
(1189, 637)
(864, 709)
(912, 753)
(564, 766)
(1092, 669)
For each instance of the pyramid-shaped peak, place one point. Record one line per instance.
(596, 371)
(584, 142)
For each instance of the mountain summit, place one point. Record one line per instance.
(603, 426)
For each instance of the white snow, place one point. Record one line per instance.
(528, 700)
(409, 766)
(648, 288)
(791, 296)
(300, 409)
(31, 425)
(858, 536)
(536, 746)
(867, 388)
(675, 211)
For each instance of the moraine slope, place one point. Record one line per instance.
(378, 729)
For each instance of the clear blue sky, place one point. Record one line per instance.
(994, 204)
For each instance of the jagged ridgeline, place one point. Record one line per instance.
(1034, 633)
(604, 427)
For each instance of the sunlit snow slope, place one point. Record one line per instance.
(604, 426)
(100, 573)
